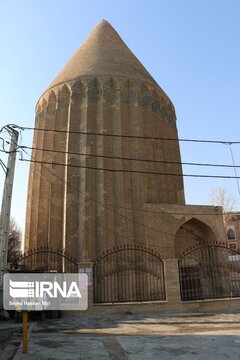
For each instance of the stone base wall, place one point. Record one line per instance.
(223, 305)
(173, 303)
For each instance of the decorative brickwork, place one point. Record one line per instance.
(100, 178)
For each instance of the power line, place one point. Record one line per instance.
(141, 210)
(132, 171)
(128, 219)
(105, 206)
(131, 159)
(133, 209)
(134, 136)
(132, 220)
(128, 208)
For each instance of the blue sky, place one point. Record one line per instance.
(191, 48)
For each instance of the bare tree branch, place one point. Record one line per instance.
(15, 241)
(221, 197)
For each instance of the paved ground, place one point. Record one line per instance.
(135, 337)
(10, 339)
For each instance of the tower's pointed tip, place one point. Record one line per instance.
(104, 23)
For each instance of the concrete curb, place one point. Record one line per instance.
(20, 348)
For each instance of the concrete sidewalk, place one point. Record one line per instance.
(10, 338)
(136, 337)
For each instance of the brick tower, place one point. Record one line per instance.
(96, 201)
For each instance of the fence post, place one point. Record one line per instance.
(172, 281)
(87, 268)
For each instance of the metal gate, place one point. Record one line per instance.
(46, 259)
(128, 274)
(209, 271)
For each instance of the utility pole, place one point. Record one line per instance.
(6, 206)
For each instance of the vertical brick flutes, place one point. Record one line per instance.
(103, 89)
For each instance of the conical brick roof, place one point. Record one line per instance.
(103, 53)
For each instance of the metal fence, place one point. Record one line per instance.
(44, 260)
(210, 271)
(129, 274)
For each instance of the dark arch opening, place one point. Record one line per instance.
(193, 232)
(231, 234)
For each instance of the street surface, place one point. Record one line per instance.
(135, 337)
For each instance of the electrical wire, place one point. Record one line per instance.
(142, 210)
(133, 171)
(172, 212)
(105, 206)
(131, 159)
(133, 136)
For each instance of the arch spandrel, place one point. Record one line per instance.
(191, 233)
